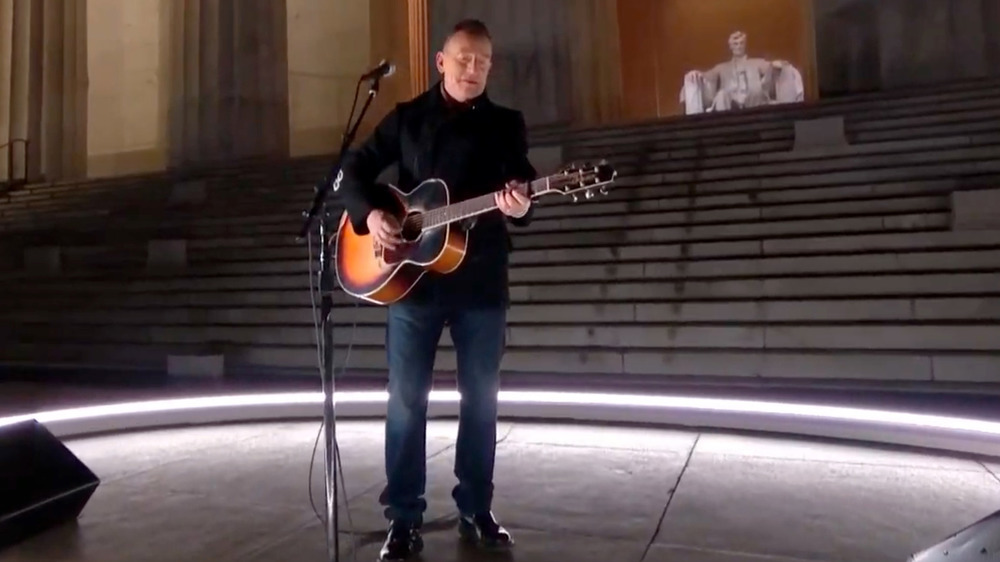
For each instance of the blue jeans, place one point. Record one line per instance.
(412, 336)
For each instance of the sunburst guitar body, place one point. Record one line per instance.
(432, 237)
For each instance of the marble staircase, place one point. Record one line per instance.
(799, 245)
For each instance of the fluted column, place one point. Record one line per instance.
(419, 50)
(229, 78)
(25, 84)
(64, 90)
(595, 58)
(46, 102)
(6, 42)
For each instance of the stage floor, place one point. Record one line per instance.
(574, 492)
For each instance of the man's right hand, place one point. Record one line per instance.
(384, 228)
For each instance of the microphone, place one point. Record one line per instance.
(384, 69)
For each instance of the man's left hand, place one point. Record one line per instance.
(512, 201)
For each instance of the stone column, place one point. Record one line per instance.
(64, 90)
(47, 103)
(595, 62)
(24, 89)
(6, 37)
(229, 78)
(272, 78)
(419, 50)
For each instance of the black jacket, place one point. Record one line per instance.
(475, 148)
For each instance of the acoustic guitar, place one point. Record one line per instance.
(432, 239)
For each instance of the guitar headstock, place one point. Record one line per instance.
(575, 180)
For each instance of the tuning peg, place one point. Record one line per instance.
(588, 194)
(603, 189)
(575, 198)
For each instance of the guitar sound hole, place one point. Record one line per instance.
(413, 226)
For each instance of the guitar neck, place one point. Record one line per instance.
(474, 207)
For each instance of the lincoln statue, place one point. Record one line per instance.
(741, 82)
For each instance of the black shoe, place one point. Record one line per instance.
(483, 530)
(402, 543)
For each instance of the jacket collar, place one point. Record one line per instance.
(439, 99)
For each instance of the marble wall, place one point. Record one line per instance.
(867, 45)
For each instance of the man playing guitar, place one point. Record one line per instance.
(452, 132)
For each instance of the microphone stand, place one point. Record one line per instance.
(320, 208)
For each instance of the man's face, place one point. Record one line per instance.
(738, 44)
(464, 64)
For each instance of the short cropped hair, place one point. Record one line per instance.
(473, 27)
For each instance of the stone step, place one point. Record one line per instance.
(841, 286)
(762, 267)
(948, 260)
(234, 240)
(781, 136)
(662, 217)
(881, 337)
(681, 184)
(640, 200)
(823, 245)
(525, 241)
(856, 113)
(776, 202)
(715, 131)
(805, 311)
(278, 173)
(656, 199)
(14, 218)
(777, 155)
(295, 291)
(642, 159)
(705, 363)
(733, 231)
(818, 170)
(607, 271)
(770, 202)
(653, 185)
(894, 176)
(636, 218)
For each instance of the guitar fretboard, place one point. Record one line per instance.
(470, 207)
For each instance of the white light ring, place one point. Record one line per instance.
(950, 433)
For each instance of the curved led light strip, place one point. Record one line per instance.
(952, 433)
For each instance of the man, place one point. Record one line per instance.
(455, 133)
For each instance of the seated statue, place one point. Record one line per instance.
(741, 82)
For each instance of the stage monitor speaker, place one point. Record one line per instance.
(979, 542)
(42, 483)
